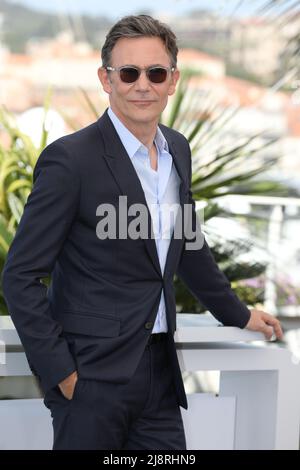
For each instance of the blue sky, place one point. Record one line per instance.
(117, 8)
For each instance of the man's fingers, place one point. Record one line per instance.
(278, 330)
(265, 323)
(269, 319)
(267, 331)
(275, 323)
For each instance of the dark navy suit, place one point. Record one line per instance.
(98, 313)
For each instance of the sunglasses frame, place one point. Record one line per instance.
(139, 70)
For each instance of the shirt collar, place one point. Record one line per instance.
(130, 142)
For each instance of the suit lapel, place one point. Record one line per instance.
(129, 183)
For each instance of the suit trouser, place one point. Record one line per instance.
(142, 414)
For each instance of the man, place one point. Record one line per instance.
(100, 339)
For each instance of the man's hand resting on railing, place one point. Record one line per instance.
(67, 386)
(264, 322)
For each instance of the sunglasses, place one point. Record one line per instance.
(130, 74)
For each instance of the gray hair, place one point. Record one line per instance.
(139, 26)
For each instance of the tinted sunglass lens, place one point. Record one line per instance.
(129, 74)
(157, 75)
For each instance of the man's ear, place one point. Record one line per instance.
(174, 79)
(104, 79)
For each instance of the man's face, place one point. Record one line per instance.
(141, 101)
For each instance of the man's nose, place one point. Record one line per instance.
(143, 82)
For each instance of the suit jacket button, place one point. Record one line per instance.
(148, 325)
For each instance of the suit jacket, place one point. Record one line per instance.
(99, 310)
